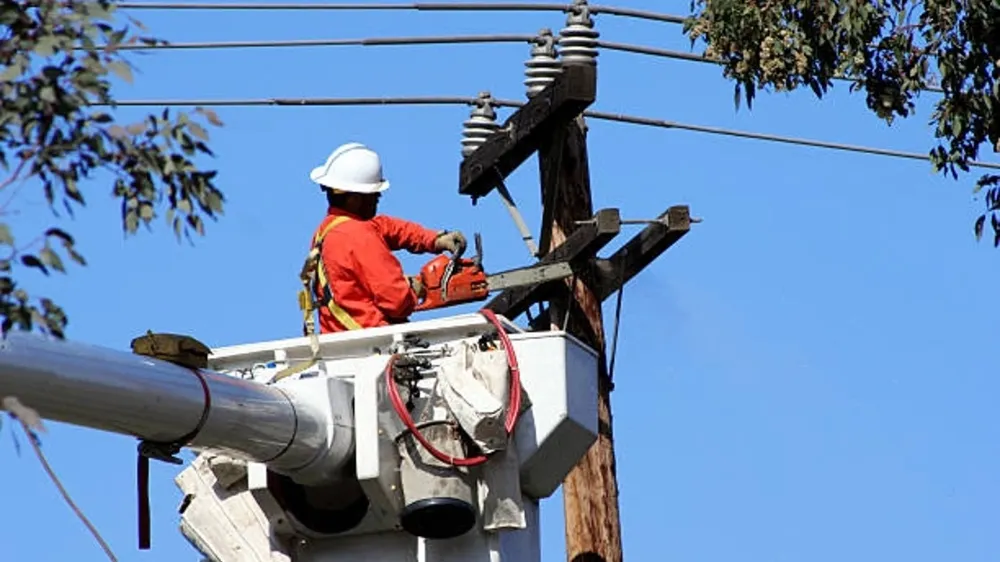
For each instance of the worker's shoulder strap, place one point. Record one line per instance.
(324, 284)
(312, 273)
(321, 234)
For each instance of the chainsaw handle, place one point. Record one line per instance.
(432, 299)
(451, 281)
(477, 240)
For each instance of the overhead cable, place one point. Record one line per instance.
(372, 41)
(770, 138)
(602, 115)
(312, 102)
(420, 6)
(667, 53)
(429, 40)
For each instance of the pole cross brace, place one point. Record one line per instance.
(579, 249)
(642, 250)
(612, 273)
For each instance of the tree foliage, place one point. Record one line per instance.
(57, 134)
(891, 50)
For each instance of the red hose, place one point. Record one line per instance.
(513, 407)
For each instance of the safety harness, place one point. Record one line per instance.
(312, 273)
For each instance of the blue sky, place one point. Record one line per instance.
(797, 379)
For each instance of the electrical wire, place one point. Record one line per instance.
(420, 6)
(312, 102)
(650, 122)
(378, 41)
(667, 53)
(431, 40)
(372, 41)
(602, 115)
(653, 51)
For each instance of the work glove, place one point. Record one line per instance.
(417, 286)
(453, 242)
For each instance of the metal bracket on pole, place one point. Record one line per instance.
(515, 214)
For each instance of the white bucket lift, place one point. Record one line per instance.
(319, 466)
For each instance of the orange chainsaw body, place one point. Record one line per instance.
(452, 281)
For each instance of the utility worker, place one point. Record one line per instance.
(356, 280)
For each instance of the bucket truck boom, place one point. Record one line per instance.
(430, 441)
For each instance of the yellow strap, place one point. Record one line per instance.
(313, 270)
(337, 221)
(339, 313)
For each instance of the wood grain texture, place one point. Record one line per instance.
(590, 491)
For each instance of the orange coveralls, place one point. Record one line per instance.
(365, 278)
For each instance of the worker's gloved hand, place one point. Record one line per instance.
(417, 287)
(453, 242)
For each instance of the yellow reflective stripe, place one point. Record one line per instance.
(339, 313)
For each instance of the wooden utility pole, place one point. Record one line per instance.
(590, 492)
(552, 124)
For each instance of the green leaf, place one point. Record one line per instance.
(781, 45)
(198, 131)
(60, 234)
(46, 46)
(215, 201)
(146, 211)
(32, 261)
(209, 114)
(60, 64)
(131, 221)
(47, 93)
(6, 238)
(122, 70)
(12, 72)
(75, 256)
(51, 259)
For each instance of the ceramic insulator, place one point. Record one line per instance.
(578, 40)
(544, 65)
(481, 124)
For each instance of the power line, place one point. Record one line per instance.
(656, 52)
(432, 40)
(771, 138)
(372, 41)
(313, 102)
(381, 41)
(420, 6)
(667, 53)
(606, 116)
(427, 40)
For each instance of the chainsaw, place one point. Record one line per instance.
(450, 281)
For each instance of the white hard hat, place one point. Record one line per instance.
(351, 167)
